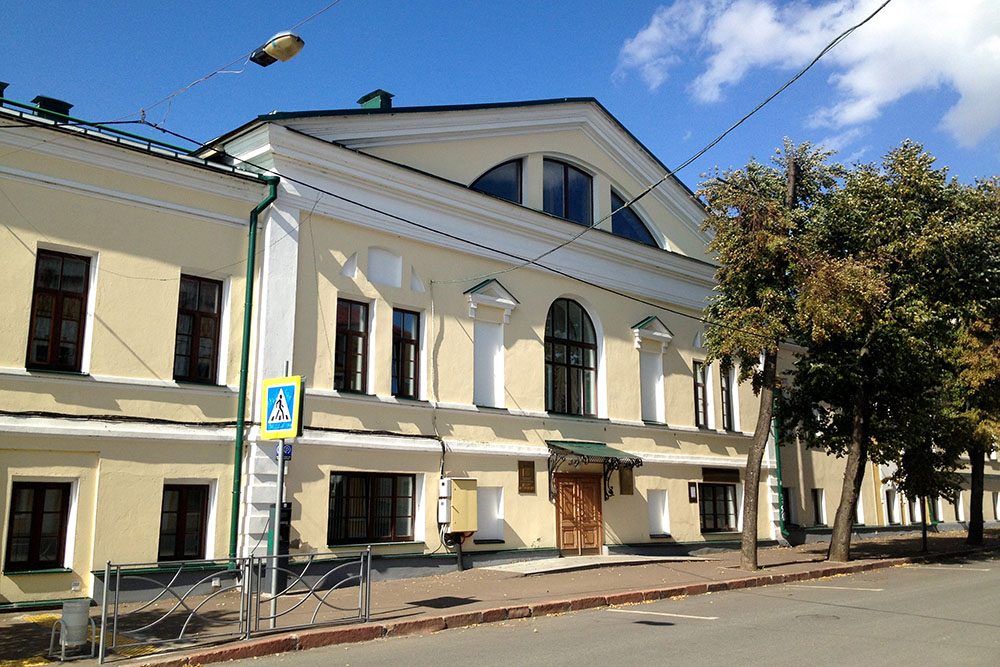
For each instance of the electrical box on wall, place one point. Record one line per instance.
(457, 504)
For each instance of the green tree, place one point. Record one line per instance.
(876, 312)
(757, 216)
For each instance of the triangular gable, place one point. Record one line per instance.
(651, 329)
(491, 293)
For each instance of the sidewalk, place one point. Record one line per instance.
(485, 595)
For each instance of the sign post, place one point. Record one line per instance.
(281, 409)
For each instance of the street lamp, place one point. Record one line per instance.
(283, 46)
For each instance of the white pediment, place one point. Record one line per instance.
(651, 329)
(491, 293)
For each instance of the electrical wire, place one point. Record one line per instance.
(671, 172)
(245, 58)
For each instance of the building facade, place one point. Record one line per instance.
(430, 271)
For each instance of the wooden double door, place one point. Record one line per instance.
(579, 526)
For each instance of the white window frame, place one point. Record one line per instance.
(488, 380)
(651, 340)
(71, 513)
(86, 350)
(212, 513)
(819, 506)
(959, 508)
(369, 345)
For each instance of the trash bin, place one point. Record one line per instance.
(75, 619)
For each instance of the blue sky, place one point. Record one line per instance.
(676, 73)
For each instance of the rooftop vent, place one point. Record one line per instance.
(377, 99)
(50, 107)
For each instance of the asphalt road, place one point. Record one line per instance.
(941, 614)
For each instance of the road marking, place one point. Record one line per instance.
(836, 588)
(660, 613)
(952, 568)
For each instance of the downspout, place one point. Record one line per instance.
(241, 405)
(777, 462)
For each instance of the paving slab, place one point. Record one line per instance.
(573, 563)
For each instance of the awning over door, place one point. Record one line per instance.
(577, 453)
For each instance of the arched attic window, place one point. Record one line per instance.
(626, 223)
(503, 180)
(567, 192)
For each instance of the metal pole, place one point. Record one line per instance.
(104, 611)
(275, 548)
(368, 588)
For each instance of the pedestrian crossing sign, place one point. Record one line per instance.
(281, 408)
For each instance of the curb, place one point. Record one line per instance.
(308, 639)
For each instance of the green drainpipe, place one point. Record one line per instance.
(241, 405)
(777, 462)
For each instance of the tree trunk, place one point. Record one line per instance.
(751, 482)
(978, 459)
(923, 525)
(857, 460)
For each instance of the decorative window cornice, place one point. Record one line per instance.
(491, 293)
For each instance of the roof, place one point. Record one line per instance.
(276, 116)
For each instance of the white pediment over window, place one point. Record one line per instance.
(491, 293)
(652, 329)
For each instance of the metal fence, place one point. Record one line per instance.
(150, 607)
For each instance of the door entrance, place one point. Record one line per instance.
(578, 514)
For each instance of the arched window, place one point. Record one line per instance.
(626, 223)
(570, 360)
(503, 180)
(567, 192)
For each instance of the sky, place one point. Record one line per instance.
(676, 74)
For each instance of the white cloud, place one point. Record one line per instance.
(908, 47)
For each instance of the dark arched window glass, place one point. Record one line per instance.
(570, 360)
(567, 192)
(626, 223)
(503, 180)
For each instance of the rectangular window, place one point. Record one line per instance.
(58, 312)
(913, 507)
(717, 506)
(183, 518)
(727, 400)
(859, 511)
(405, 353)
(351, 347)
(525, 476)
(700, 395)
(370, 507)
(36, 533)
(959, 507)
(196, 350)
(819, 507)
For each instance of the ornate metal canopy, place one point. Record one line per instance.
(577, 453)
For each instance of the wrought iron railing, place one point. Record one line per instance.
(151, 607)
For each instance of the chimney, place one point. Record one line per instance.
(51, 108)
(377, 99)
(3, 87)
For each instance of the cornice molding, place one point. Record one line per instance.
(649, 272)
